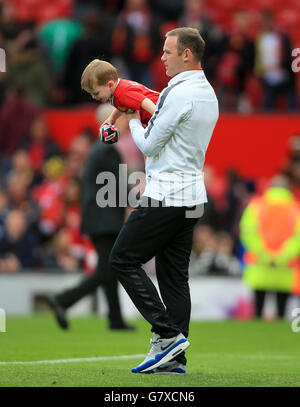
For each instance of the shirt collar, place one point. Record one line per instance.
(118, 81)
(112, 95)
(186, 75)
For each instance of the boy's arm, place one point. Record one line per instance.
(148, 105)
(112, 118)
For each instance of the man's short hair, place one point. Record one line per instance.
(189, 38)
(98, 73)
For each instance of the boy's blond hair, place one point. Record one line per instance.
(98, 73)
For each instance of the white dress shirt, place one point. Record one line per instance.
(176, 140)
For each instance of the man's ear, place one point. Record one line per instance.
(187, 53)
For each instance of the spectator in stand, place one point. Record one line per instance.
(80, 148)
(83, 8)
(72, 218)
(3, 210)
(168, 10)
(56, 37)
(74, 166)
(18, 246)
(49, 197)
(28, 70)
(197, 16)
(292, 169)
(273, 64)
(40, 147)
(9, 24)
(96, 41)
(212, 253)
(58, 255)
(294, 178)
(68, 31)
(204, 246)
(16, 117)
(137, 38)
(20, 199)
(9, 30)
(236, 64)
(2, 76)
(21, 164)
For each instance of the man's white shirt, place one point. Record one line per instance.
(176, 140)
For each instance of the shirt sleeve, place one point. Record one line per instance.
(132, 99)
(161, 127)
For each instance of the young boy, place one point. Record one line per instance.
(101, 80)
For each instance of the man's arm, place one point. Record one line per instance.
(161, 126)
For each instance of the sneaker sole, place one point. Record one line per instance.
(178, 348)
(168, 372)
(152, 371)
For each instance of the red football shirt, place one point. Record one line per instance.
(129, 95)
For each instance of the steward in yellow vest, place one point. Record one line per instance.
(270, 233)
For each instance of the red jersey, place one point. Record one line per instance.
(129, 95)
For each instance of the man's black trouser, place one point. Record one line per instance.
(103, 276)
(166, 233)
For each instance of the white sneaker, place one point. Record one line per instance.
(162, 351)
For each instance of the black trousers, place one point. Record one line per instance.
(281, 300)
(166, 233)
(103, 276)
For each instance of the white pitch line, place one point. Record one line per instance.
(252, 356)
(74, 360)
(101, 358)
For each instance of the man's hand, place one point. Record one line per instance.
(134, 115)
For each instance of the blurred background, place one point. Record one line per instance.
(247, 245)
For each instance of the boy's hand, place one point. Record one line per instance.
(134, 115)
(108, 122)
(112, 118)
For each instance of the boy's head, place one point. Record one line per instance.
(99, 79)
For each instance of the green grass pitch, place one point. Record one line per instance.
(226, 354)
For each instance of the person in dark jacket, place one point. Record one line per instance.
(18, 245)
(102, 225)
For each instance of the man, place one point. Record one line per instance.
(174, 143)
(102, 225)
(270, 234)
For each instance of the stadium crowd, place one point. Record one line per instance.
(48, 44)
(248, 57)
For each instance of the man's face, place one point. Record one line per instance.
(173, 62)
(102, 93)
